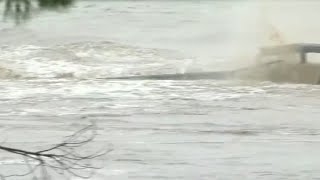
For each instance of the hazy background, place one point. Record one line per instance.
(206, 129)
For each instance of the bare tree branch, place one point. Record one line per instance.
(64, 158)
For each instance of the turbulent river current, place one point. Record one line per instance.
(54, 72)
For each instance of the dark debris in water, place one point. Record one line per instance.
(233, 132)
(251, 108)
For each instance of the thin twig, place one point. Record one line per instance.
(62, 158)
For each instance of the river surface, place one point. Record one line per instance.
(53, 82)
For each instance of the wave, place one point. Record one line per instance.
(86, 60)
(108, 60)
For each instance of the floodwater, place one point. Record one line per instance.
(53, 82)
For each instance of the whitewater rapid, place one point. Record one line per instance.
(53, 72)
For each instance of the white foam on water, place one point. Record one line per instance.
(87, 60)
(160, 129)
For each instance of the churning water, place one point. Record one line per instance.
(53, 72)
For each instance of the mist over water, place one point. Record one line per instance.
(53, 71)
(210, 33)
